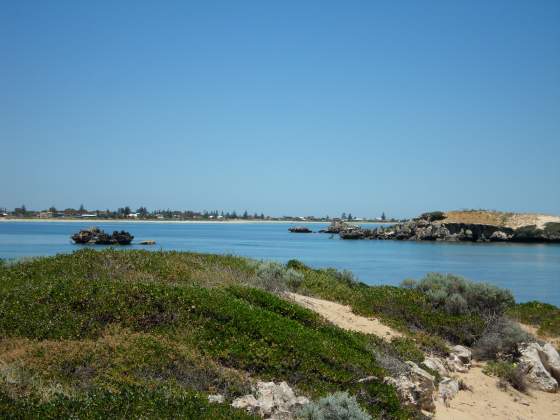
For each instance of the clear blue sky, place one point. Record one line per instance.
(282, 107)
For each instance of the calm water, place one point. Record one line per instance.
(530, 271)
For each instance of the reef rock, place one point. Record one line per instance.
(300, 229)
(96, 236)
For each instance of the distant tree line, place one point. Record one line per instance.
(142, 212)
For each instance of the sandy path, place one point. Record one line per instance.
(486, 401)
(342, 316)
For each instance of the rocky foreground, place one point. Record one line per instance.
(461, 226)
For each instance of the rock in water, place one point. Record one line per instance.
(96, 236)
(336, 226)
(300, 229)
(122, 237)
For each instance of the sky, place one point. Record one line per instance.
(284, 107)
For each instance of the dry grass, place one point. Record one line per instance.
(498, 218)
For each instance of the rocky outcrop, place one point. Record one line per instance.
(337, 226)
(432, 228)
(97, 236)
(352, 233)
(448, 388)
(300, 229)
(437, 365)
(551, 360)
(271, 401)
(533, 362)
(415, 387)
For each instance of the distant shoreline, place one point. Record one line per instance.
(236, 221)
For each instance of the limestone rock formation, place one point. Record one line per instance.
(448, 388)
(271, 401)
(436, 364)
(551, 360)
(97, 236)
(436, 227)
(416, 387)
(536, 374)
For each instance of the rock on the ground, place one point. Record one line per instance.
(270, 400)
(535, 371)
(459, 359)
(551, 360)
(463, 353)
(415, 388)
(437, 364)
(448, 388)
(217, 398)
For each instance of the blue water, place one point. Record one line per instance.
(529, 271)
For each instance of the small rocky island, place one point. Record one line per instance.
(300, 229)
(97, 236)
(466, 226)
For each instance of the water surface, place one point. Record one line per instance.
(530, 271)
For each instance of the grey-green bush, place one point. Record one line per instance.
(500, 340)
(337, 406)
(460, 296)
(275, 277)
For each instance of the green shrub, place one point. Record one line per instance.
(544, 316)
(296, 265)
(552, 228)
(407, 349)
(274, 277)
(509, 373)
(433, 216)
(337, 406)
(125, 402)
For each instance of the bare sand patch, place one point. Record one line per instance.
(342, 316)
(487, 401)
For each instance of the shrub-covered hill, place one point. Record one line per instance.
(151, 334)
(130, 334)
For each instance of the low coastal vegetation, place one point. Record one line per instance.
(158, 332)
(124, 333)
(543, 316)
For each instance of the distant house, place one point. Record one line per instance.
(3, 214)
(88, 215)
(132, 215)
(45, 215)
